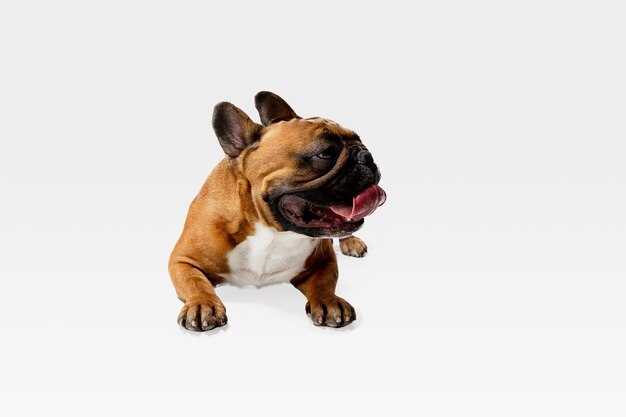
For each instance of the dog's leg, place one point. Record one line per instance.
(203, 310)
(353, 246)
(318, 284)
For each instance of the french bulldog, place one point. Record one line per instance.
(269, 211)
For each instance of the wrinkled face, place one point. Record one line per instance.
(316, 177)
(310, 176)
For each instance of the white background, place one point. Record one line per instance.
(495, 282)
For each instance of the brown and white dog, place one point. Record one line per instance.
(269, 210)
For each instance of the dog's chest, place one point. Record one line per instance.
(268, 257)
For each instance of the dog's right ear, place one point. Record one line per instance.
(234, 129)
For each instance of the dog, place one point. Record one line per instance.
(269, 211)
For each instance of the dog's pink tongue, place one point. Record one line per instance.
(363, 204)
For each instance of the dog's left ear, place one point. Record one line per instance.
(272, 108)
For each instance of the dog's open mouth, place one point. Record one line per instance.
(331, 218)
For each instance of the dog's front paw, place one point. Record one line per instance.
(353, 246)
(202, 314)
(331, 311)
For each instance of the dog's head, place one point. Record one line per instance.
(310, 176)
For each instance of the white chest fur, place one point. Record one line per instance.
(268, 257)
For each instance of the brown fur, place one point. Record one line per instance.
(317, 282)
(229, 204)
(353, 246)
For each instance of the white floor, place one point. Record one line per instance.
(495, 283)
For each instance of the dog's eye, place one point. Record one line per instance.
(328, 153)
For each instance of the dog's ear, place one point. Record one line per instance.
(234, 129)
(272, 108)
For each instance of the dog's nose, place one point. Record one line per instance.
(364, 157)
